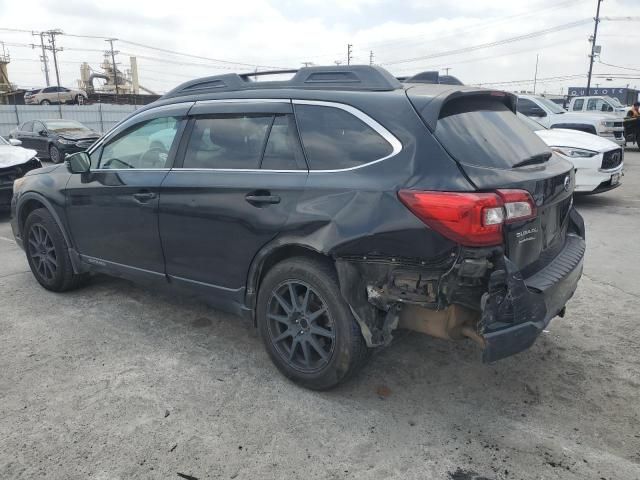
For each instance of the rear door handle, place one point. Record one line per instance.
(144, 197)
(262, 199)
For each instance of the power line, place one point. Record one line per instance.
(504, 41)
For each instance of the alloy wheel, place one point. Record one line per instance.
(300, 326)
(43, 252)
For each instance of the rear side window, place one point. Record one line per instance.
(227, 141)
(283, 150)
(578, 104)
(484, 132)
(335, 139)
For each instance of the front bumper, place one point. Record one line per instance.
(516, 310)
(617, 136)
(589, 180)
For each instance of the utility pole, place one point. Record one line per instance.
(307, 64)
(371, 57)
(535, 75)
(113, 61)
(349, 56)
(43, 57)
(338, 62)
(446, 70)
(593, 46)
(54, 50)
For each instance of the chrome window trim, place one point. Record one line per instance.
(130, 169)
(379, 129)
(243, 100)
(396, 145)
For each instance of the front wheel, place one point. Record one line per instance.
(47, 253)
(55, 155)
(306, 325)
(45, 102)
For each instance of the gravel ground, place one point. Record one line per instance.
(116, 382)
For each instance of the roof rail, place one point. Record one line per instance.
(340, 77)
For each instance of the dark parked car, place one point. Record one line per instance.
(330, 209)
(54, 139)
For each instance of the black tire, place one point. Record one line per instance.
(45, 102)
(42, 237)
(335, 332)
(79, 100)
(55, 155)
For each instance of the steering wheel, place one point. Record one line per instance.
(153, 157)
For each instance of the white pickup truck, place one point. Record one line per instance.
(603, 103)
(552, 115)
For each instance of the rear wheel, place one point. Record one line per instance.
(79, 100)
(47, 253)
(306, 326)
(55, 155)
(45, 102)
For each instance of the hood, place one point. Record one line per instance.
(77, 135)
(577, 116)
(11, 156)
(560, 137)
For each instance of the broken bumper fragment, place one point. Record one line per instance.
(515, 310)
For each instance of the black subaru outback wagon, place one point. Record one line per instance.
(331, 209)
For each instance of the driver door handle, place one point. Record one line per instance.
(144, 197)
(262, 199)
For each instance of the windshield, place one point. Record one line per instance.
(57, 125)
(531, 123)
(615, 101)
(554, 107)
(484, 132)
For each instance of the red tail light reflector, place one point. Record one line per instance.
(470, 218)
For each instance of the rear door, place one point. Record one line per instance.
(239, 174)
(496, 150)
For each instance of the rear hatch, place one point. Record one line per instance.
(496, 150)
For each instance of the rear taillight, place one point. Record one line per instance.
(469, 218)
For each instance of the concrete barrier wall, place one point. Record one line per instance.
(99, 117)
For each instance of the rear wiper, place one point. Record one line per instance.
(533, 159)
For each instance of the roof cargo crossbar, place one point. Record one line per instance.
(342, 77)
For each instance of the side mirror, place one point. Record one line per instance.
(42, 133)
(15, 142)
(79, 162)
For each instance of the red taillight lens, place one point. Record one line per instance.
(469, 218)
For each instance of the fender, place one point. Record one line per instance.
(73, 254)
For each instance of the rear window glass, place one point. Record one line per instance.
(282, 151)
(335, 139)
(484, 132)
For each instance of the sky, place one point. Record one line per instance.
(476, 39)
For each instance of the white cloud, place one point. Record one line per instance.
(284, 33)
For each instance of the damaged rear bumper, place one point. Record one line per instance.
(513, 317)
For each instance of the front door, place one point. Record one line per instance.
(40, 139)
(113, 209)
(237, 178)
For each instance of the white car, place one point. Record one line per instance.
(598, 162)
(15, 161)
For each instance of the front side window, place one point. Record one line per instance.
(527, 107)
(227, 141)
(27, 127)
(578, 104)
(38, 127)
(334, 139)
(146, 145)
(595, 104)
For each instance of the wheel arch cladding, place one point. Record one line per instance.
(270, 256)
